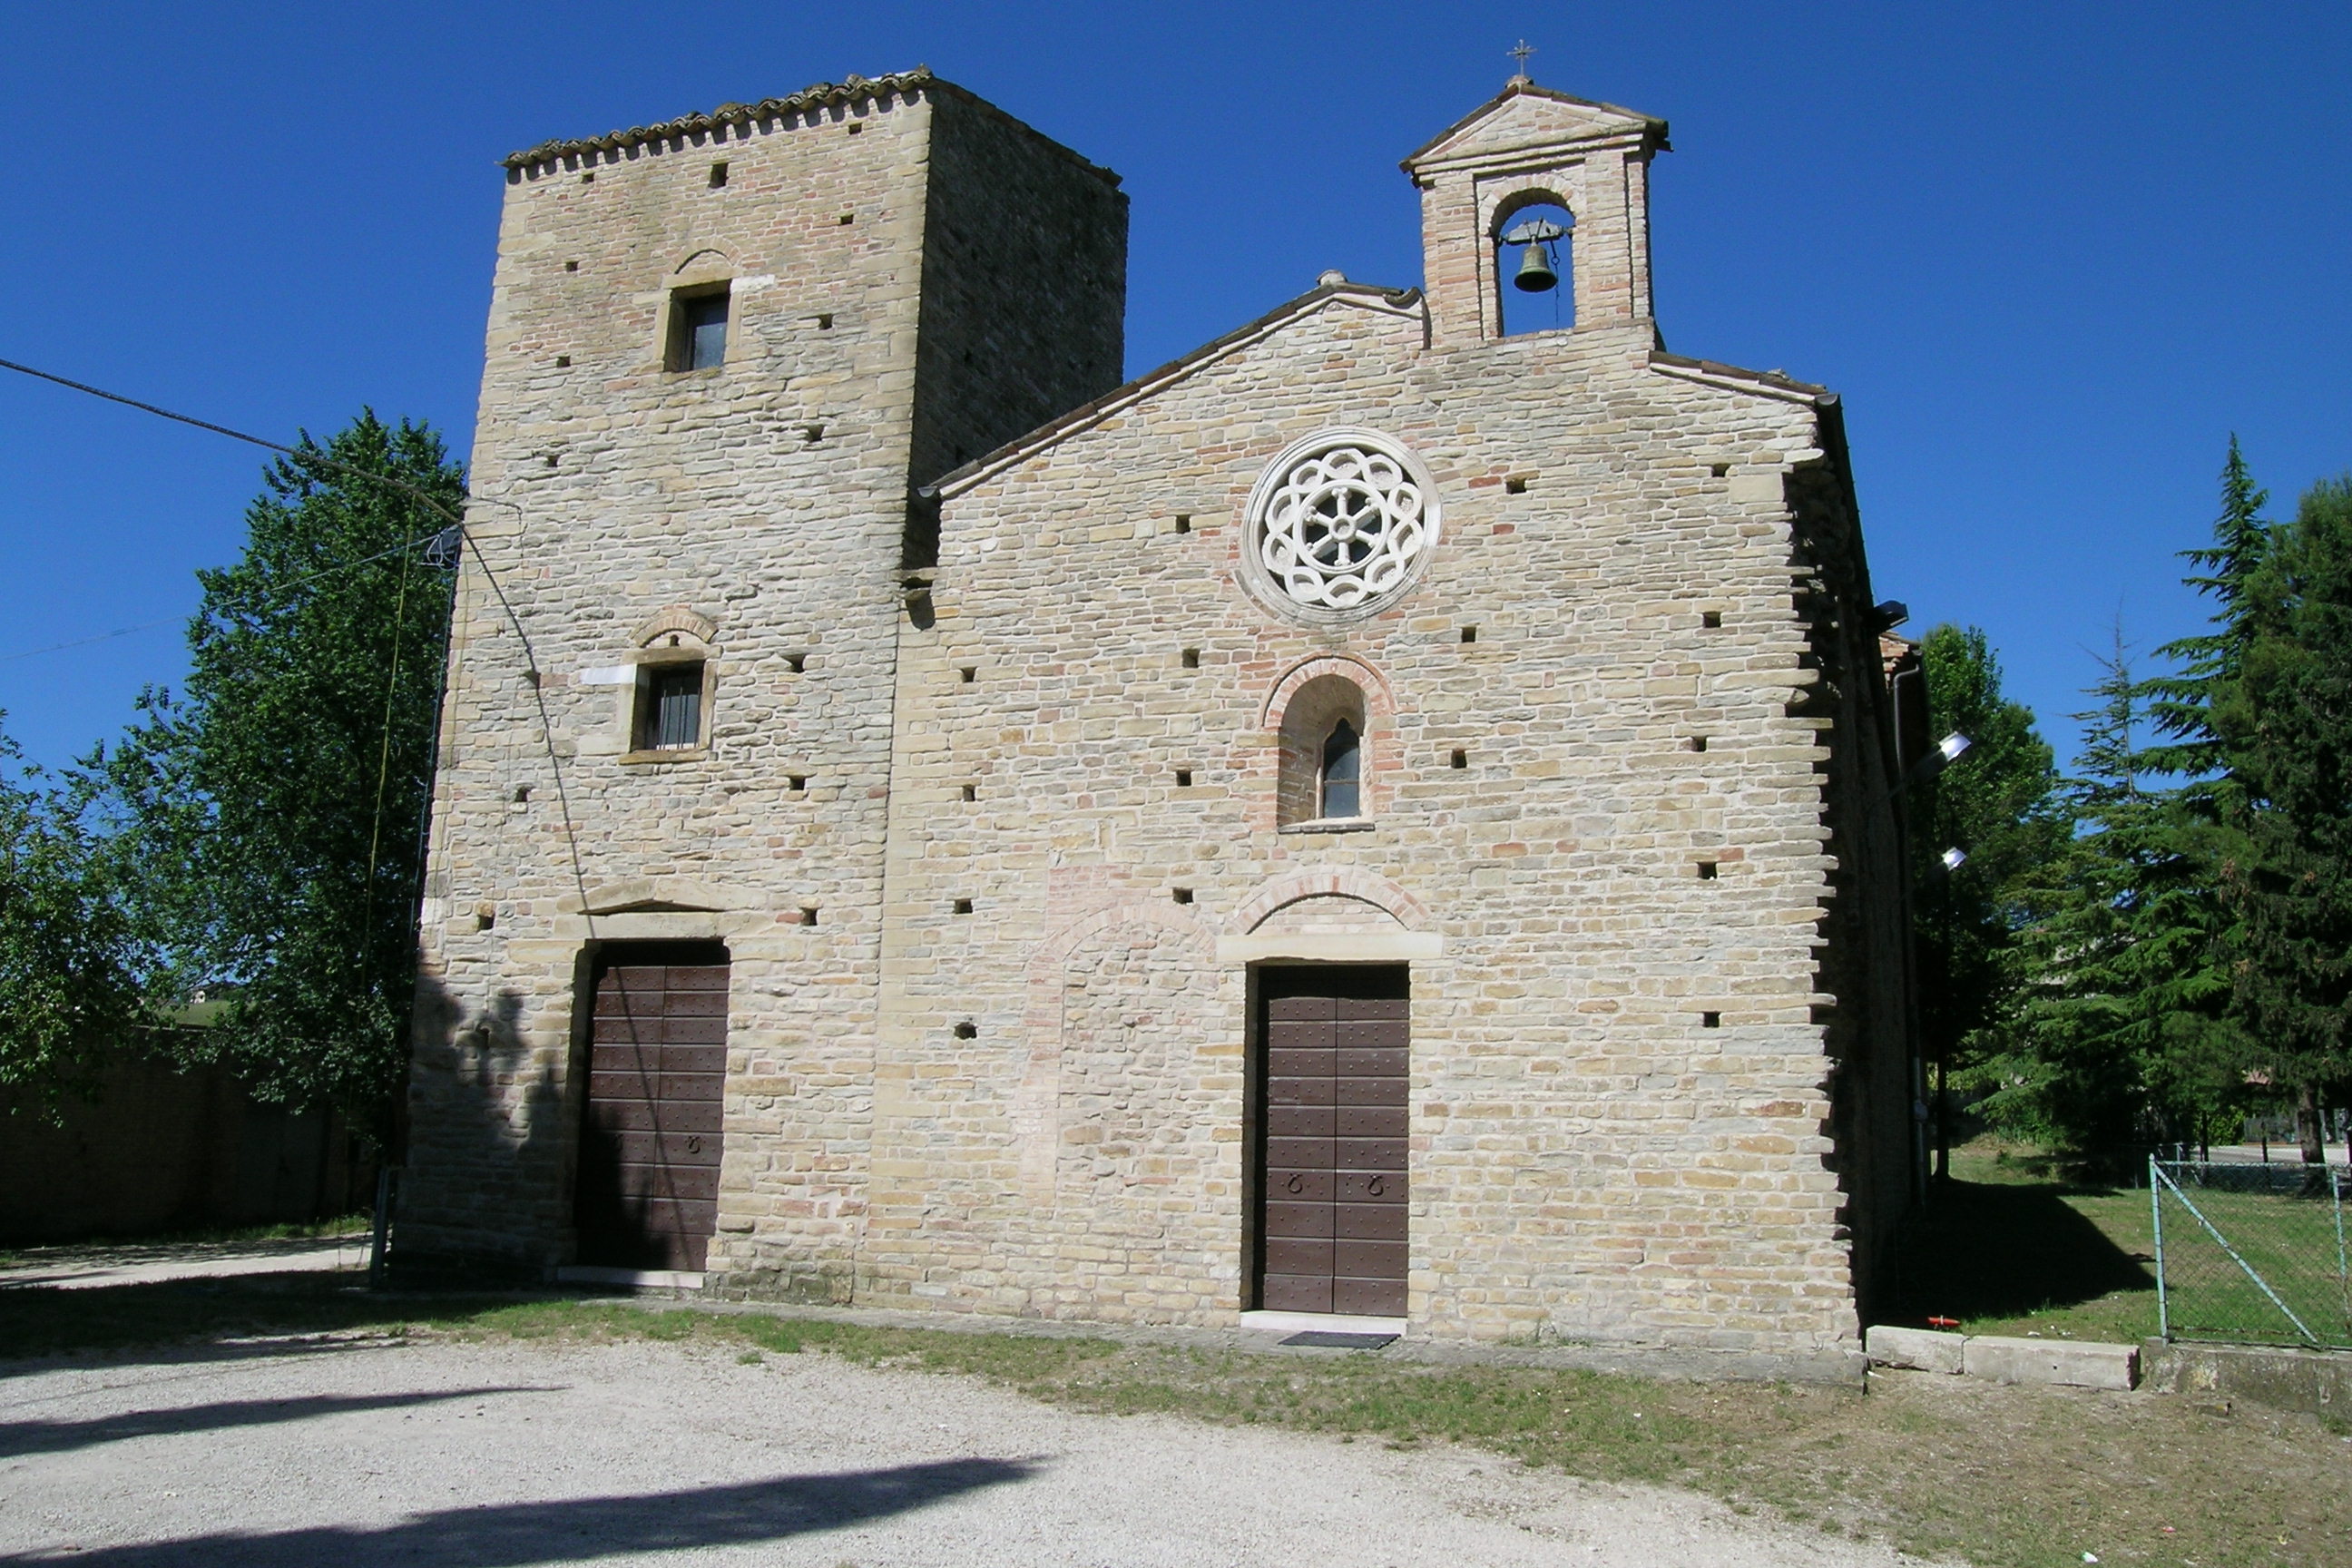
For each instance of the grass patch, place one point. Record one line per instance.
(2006, 1478)
(2011, 1248)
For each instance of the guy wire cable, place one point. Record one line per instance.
(312, 456)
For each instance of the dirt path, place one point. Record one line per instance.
(360, 1453)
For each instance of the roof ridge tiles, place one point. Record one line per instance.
(852, 89)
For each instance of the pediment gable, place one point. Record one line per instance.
(1524, 117)
(1333, 294)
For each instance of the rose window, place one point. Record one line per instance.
(1342, 522)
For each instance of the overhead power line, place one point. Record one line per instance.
(405, 545)
(308, 454)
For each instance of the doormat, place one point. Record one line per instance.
(1324, 1339)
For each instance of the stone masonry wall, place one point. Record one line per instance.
(1024, 293)
(1589, 1159)
(754, 511)
(995, 847)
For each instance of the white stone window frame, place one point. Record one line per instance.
(677, 636)
(1261, 580)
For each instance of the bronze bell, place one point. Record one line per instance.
(1535, 274)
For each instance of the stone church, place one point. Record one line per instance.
(1383, 817)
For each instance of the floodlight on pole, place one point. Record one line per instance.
(1954, 858)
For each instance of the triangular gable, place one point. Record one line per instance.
(1406, 302)
(1524, 116)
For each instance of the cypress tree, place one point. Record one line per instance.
(2130, 1040)
(2181, 703)
(2284, 724)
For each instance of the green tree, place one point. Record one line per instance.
(68, 992)
(2127, 1034)
(268, 819)
(2181, 703)
(2284, 725)
(2000, 806)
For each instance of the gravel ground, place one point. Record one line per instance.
(353, 1453)
(89, 1268)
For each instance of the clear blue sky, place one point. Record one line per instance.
(2052, 255)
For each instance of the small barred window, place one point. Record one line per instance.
(669, 708)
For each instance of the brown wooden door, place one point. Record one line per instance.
(648, 1191)
(1332, 1173)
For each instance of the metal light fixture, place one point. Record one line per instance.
(1948, 752)
(1954, 858)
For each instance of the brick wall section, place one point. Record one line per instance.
(159, 1150)
(1866, 933)
(769, 497)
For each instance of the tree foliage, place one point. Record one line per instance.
(68, 986)
(2000, 805)
(2283, 722)
(2195, 954)
(268, 818)
(2181, 702)
(2127, 1015)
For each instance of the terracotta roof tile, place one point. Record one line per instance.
(823, 95)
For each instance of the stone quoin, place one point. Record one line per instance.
(1376, 817)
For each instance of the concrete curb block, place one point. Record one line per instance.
(2318, 1383)
(2068, 1363)
(1918, 1349)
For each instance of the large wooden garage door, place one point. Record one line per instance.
(1332, 1171)
(648, 1193)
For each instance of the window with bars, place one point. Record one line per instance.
(669, 708)
(697, 336)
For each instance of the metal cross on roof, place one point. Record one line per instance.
(1520, 54)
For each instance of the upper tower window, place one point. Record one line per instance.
(697, 329)
(1532, 153)
(1534, 278)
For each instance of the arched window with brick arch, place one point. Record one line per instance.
(1533, 236)
(1325, 739)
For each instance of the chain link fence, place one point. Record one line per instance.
(2252, 1254)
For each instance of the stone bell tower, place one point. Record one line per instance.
(1533, 146)
(724, 354)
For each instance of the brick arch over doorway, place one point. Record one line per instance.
(1341, 882)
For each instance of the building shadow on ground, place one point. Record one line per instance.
(1987, 1249)
(506, 1536)
(18, 1438)
(174, 1321)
